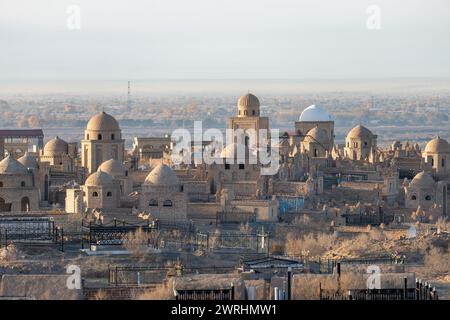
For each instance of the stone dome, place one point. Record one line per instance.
(162, 175)
(28, 161)
(103, 122)
(9, 165)
(113, 167)
(422, 180)
(248, 105)
(99, 178)
(360, 132)
(314, 113)
(56, 147)
(437, 145)
(237, 151)
(317, 135)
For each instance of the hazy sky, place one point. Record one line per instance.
(223, 39)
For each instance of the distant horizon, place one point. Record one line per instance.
(260, 87)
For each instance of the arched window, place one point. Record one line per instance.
(95, 194)
(442, 162)
(253, 112)
(315, 153)
(245, 112)
(153, 203)
(22, 184)
(99, 137)
(25, 204)
(87, 136)
(432, 162)
(413, 197)
(427, 197)
(112, 136)
(109, 194)
(181, 188)
(167, 203)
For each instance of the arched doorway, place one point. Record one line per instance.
(25, 204)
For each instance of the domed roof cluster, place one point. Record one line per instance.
(317, 135)
(28, 161)
(360, 132)
(248, 105)
(9, 165)
(422, 180)
(437, 145)
(162, 175)
(314, 113)
(56, 147)
(99, 178)
(103, 122)
(113, 167)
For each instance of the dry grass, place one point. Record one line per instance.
(160, 292)
(309, 245)
(437, 262)
(137, 242)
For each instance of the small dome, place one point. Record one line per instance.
(9, 165)
(317, 135)
(56, 147)
(437, 145)
(360, 132)
(162, 175)
(99, 178)
(28, 161)
(113, 167)
(248, 105)
(422, 180)
(237, 151)
(315, 113)
(103, 122)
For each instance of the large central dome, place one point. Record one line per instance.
(315, 114)
(103, 122)
(248, 105)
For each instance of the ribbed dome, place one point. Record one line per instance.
(9, 165)
(437, 145)
(99, 178)
(317, 135)
(315, 113)
(422, 180)
(56, 147)
(28, 161)
(162, 175)
(103, 122)
(113, 167)
(360, 132)
(248, 105)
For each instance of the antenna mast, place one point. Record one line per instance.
(129, 96)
